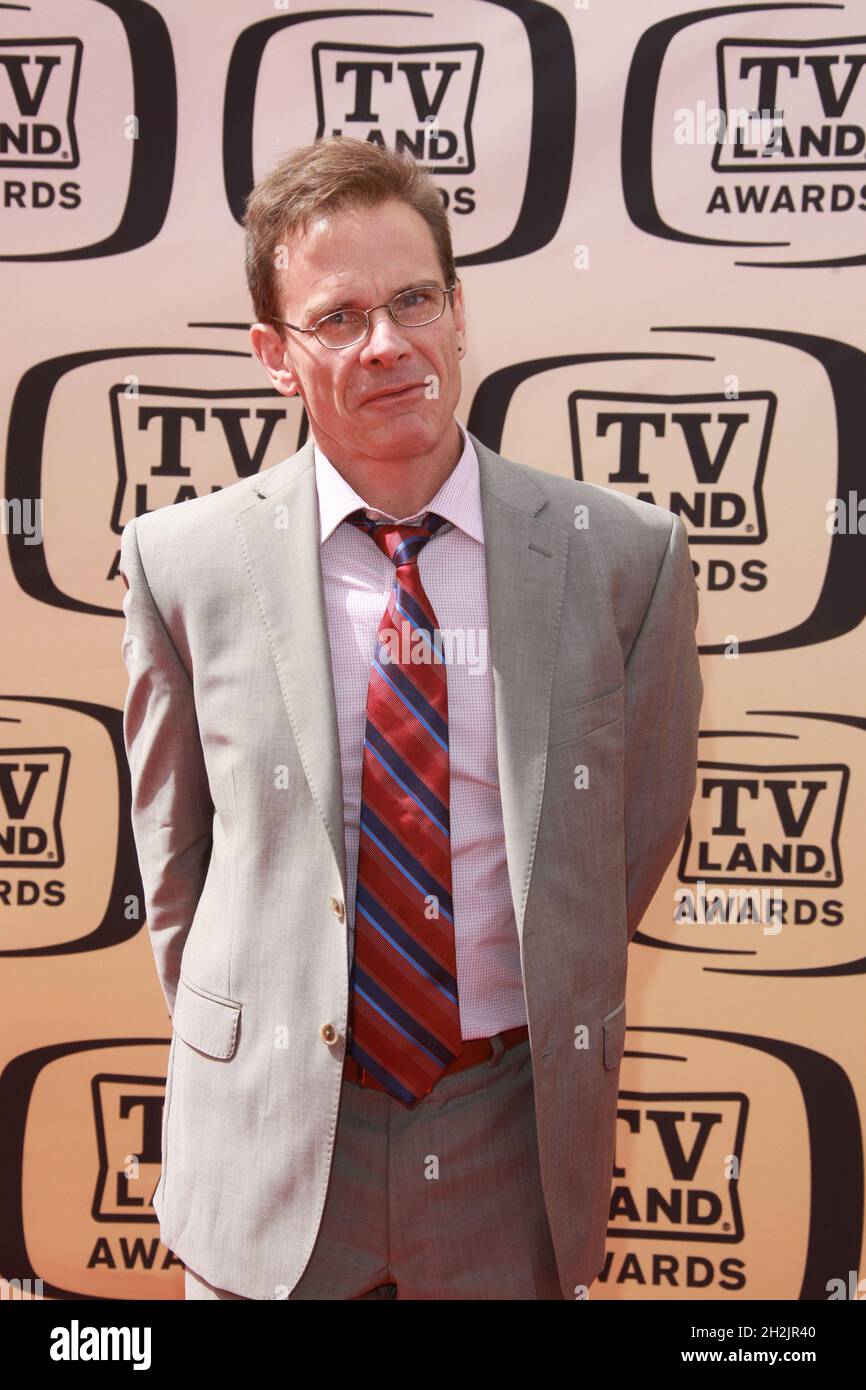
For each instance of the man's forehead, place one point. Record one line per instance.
(391, 220)
(357, 285)
(352, 253)
(316, 291)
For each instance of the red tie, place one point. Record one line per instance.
(405, 1013)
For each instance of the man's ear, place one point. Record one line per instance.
(459, 312)
(274, 356)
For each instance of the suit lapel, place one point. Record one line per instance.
(279, 532)
(525, 561)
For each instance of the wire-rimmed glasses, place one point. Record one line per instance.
(410, 308)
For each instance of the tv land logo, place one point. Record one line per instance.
(38, 87)
(770, 872)
(99, 1105)
(817, 95)
(682, 1135)
(174, 444)
(735, 803)
(716, 455)
(420, 98)
(68, 883)
(32, 786)
(702, 456)
(157, 427)
(128, 1111)
(62, 171)
(760, 138)
(696, 1190)
(398, 79)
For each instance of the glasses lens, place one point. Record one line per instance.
(419, 305)
(342, 328)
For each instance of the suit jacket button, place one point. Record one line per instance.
(328, 1033)
(338, 908)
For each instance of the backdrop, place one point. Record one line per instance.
(660, 300)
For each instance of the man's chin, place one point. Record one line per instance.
(404, 429)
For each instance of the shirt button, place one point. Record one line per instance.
(338, 908)
(328, 1033)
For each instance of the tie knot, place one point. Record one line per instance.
(401, 542)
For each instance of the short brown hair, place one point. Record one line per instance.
(328, 176)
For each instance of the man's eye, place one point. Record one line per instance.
(342, 317)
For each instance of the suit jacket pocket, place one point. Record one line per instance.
(206, 1021)
(614, 1036)
(585, 718)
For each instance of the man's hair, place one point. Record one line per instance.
(329, 176)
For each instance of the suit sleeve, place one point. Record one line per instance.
(664, 690)
(172, 811)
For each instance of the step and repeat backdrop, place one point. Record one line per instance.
(658, 214)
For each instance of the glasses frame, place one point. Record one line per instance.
(447, 292)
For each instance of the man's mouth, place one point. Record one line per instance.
(395, 393)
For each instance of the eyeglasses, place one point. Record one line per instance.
(411, 309)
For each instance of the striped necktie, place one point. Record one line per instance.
(403, 989)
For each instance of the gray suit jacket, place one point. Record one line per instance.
(231, 734)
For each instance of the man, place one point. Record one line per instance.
(412, 732)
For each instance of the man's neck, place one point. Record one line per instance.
(406, 488)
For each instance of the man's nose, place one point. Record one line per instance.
(385, 339)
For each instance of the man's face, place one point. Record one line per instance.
(359, 258)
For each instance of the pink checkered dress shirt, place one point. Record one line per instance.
(357, 580)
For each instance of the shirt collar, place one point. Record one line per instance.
(458, 499)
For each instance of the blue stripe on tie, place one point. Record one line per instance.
(437, 656)
(375, 1068)
(406, 696)
(409, 548)
(393, 931)
(413, 1031)
(412, 610)
(420, 705)
(415, 695)
(397, 767)
(384, 834)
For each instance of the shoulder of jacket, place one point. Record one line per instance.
(581, 505)
(179, 522)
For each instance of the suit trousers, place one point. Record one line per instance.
(443, 1201)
